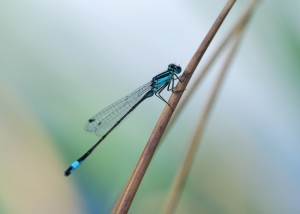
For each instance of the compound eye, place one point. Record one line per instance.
(171, 66)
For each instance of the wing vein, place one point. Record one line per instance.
(101, 122)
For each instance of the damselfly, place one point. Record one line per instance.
(109, 118)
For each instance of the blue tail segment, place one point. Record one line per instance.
(72, 168)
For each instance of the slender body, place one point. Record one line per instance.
(109, 118)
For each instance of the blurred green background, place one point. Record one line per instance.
(62, 61)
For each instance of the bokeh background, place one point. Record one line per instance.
(62, 61)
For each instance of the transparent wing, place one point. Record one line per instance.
(108, 117)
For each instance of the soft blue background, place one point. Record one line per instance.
(62, 61)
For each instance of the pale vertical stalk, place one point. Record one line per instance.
(181, 177)
(127, 197)
(190, 154)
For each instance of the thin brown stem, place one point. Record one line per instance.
(185, 99)
(181, 177)
(128, 195)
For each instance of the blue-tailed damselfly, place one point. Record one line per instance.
(109, 118)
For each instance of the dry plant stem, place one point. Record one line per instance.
(143, 163)
(189, 157)
(241, 21)
(181, 177)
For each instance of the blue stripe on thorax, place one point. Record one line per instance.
(162, 78)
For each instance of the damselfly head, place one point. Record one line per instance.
(174, 68)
